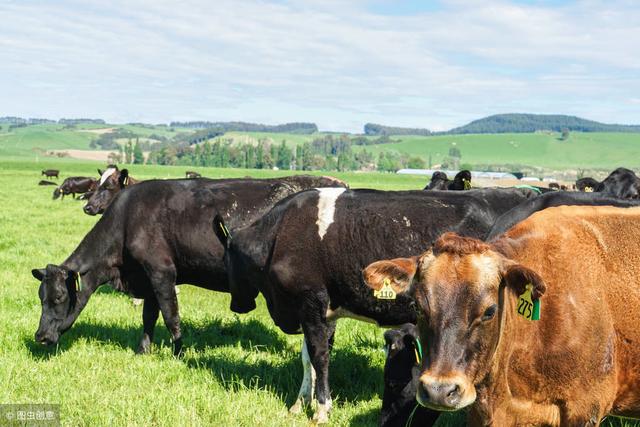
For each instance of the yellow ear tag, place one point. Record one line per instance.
(126, 181)
(386, 292)
(78, 286)
(588, 189)
(528, 308)
(467, 184)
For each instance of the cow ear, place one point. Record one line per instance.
(517, 277)
(123, 179)
(398, 272)
(221, 230)
(38, 273)
(100, 172)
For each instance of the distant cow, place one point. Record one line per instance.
(440, 181)
(587, 184)
(306, 255)
(573, 366)
(554, 186)
(50, 173)
(43, 182)
(75, 185)
(622, 183)
(192, 175)
(401, 372)
(155, 235)
(112, 181)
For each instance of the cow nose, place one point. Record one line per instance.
(87, 209)
(441, 393)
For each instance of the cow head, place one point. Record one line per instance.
(58, 298)
(112, 181)
(240, 266)
(460, 288)
(462, 181)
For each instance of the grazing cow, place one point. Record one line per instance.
(43, 182)
(75, 184)
(440, 181)
(153, 236)
(576, 364)
(112, 181)
(192, 175)
(587, 185)
(401, 371)
(50, 173)
(307, 253)
(554, 186)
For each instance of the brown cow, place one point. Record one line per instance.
(578, 363)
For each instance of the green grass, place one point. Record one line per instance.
(581, 150)
(237, 370)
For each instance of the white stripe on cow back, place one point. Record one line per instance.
(326, 208)
(106, 174)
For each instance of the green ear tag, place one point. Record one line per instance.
(418, 351)
(78, 284)
(386, 292)
(528, 308)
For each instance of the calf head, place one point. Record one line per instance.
(459, 288)
(112, 181)
(242, 272)
(57, 294)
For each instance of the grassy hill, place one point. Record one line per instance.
(580, 150)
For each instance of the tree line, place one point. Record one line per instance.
(298, 128)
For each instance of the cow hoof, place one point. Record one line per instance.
(144, 348)
(321, 415)
(296, 408)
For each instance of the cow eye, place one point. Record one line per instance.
(490, 312)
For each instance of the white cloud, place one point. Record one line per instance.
(330, 62)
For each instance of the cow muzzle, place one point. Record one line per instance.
(90, 210)
(46, 338)
(449, 393)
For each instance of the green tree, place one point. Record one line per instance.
(283, 160)
(128, 152)
(416, 163)
(138, 157)
(564, 134)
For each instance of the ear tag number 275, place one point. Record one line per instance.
(528, 308)
(386, 291)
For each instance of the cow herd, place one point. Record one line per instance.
(520, 307)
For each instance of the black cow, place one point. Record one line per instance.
(307, 253)
(622, 183)
(440, 181)
(401, 372)
(112, 181)
(192, 175)
(43, 182)
(50, 173)
(587, 184)
(153, 236)
(75, 185)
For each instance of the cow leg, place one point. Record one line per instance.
(150, 312)
(317, 338)
(305, 395)
(163, 281)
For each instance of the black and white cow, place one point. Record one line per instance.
(153, 236)
(306, 256)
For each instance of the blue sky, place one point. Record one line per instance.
(339, 64)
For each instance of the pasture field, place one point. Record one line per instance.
(581, 150)
(593, 150)
(237, 369)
